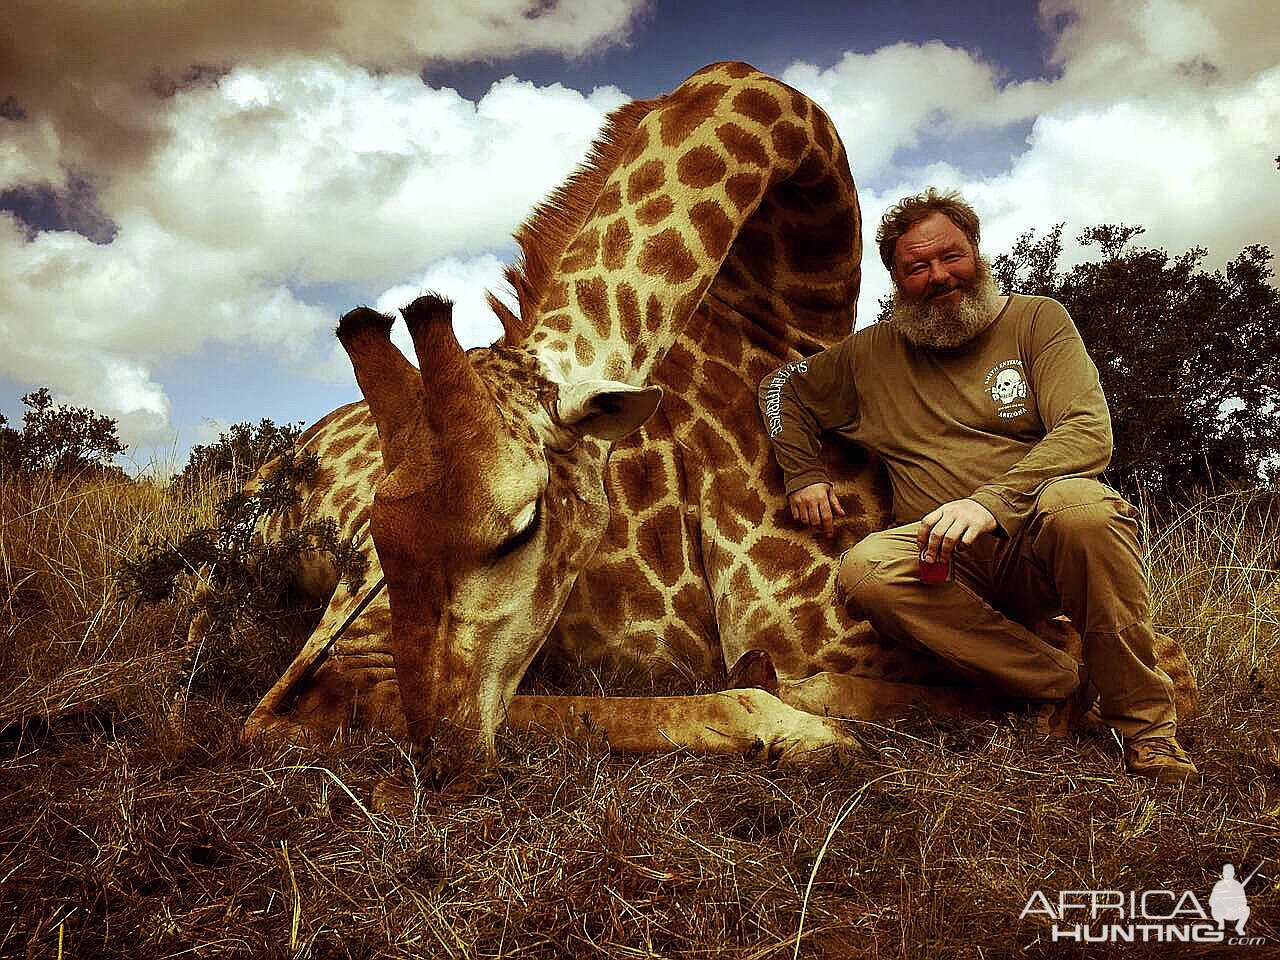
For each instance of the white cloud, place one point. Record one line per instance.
(1193, 172)
(887, 100)
(307, 172)
(1165, 115)
(298, 168)
(1108, 47)
(326, 171)
(89, 72)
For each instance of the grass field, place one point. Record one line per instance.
(129, 829)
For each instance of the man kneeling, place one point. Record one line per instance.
(991, 421)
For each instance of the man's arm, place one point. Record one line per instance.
(1077, 443)
(1068, 397)
(798, 401)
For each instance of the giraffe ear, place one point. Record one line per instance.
(606, 408)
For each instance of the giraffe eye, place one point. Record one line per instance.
(525, 529)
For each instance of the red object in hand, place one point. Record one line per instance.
(934, 572)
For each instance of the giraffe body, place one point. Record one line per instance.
(529, 496)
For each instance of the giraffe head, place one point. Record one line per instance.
(493, 500)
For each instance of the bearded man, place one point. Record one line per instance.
(991, 421)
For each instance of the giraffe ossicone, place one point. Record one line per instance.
(598, 484)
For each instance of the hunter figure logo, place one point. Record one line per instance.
(1149, 916)
(1008, 388)
(1228, 902)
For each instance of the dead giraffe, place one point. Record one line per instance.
(536, 492)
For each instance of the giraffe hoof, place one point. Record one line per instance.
(754, 671)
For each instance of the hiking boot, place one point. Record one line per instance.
(1160, 758)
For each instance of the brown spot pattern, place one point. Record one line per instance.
(617, 367)
(593, 301)
(689, 302)
(824, 135)
(660, 544)
(665, 255)
(639, 144)
(714, 228)
(722, 383)
(628, 312)
(692, 605)
(645, 179)
(700, 167)
(653, 313)
(642, 479)
(743, 146)
(789, 140)
(582, 252)
(744, 189)
(617, 242)
(717, 452)
(757, 105)
(777, 558)
(655, 210)
(557, 296)
(688, 111)
(610, 200)
(584, 351)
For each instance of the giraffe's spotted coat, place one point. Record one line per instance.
(713, 236)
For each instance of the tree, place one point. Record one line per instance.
(1189, 358)
(58, 440)
(239, 451)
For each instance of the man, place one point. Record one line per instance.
(990, 418)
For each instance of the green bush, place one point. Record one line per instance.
(60, 441)
(239, 451)
(245, 580)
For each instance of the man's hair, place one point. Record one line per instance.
(909, 211)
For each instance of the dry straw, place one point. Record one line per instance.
(129, 829)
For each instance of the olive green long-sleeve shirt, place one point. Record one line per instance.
(995, 419)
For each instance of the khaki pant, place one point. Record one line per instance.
(1079, 554)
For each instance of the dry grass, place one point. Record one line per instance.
(126, 831)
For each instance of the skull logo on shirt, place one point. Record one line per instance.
(1009, 386)
(1009, 389)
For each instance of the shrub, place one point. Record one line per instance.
(245, 580)
(60, 441)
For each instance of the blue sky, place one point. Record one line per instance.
(193, 195)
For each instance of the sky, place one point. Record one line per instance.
(192, 194)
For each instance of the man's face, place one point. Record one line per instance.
(934, 263)
(943, 295)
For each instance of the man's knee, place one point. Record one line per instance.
(864, 581)
(1083, 511)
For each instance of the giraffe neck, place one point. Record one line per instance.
(695, 170)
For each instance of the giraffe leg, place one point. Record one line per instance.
(864, 698)
(861, 698)
(735, 722)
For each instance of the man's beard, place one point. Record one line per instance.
(940, 326)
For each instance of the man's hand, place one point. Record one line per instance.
(960, 521)
(816, 505)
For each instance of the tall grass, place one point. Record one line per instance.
(127, 831)
(70, 642)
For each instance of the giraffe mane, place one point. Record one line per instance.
(549, 230)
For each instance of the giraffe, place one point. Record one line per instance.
(598, 482)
